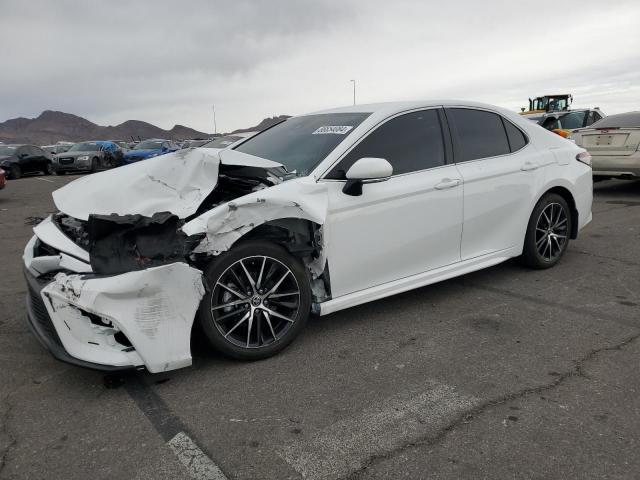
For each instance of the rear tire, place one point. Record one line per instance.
(48, 169)
(548, 232)
(250, 315)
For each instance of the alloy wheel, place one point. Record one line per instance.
(255, 301)
(552, 230)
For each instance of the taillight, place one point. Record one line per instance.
(584, 157)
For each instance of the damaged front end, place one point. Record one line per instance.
(124, 243)
(116, 283)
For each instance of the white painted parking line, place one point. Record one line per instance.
(198, 464)
(345, 446)
(45, 180)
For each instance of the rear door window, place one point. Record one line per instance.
(478, 133)
(409, 142)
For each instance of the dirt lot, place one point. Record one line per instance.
(504, 373)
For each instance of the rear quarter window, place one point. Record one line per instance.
(517, 139)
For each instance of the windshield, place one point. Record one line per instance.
(149, 145)
(6, 150)
(222, 142)
(301, 143)
(85, 147)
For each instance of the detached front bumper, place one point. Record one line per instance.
(42, 327)
(137, 319)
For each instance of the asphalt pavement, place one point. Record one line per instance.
(502, 373)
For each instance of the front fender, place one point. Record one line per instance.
(225, 224)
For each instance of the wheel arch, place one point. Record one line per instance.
(302, 238)
(566, 194)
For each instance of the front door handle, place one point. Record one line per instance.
(528, 166)
(448, 183)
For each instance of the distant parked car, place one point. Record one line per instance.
(52, 150)
(122, 144)
(563, 123)
(3, 179)
(227, 140)
(194, 143)
(150, 148)
(19, 159)
(614, 145)
(88, 156)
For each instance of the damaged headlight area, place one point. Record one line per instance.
(125, 243)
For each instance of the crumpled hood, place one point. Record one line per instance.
(175, 182)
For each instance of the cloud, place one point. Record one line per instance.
(167, 62)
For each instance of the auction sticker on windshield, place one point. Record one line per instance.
(332, 129)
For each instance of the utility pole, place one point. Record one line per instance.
(215, 126)
(354, 91)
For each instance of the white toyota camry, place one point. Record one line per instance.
(318, 213)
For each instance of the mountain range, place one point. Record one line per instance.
(52, 126)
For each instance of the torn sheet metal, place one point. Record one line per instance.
(153, 308)
(227, 223)
(54, 237)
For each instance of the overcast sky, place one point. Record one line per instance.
(168, 62)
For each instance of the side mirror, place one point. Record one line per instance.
(366, 170)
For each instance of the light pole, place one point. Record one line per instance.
(215, 126)
(354, 91)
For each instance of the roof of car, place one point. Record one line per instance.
(392, 107)
(619, 120)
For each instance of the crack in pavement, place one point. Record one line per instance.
(549, 303)
(604, 257)
(471, 414)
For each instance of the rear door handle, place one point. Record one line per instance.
(528, 166)
(448, 183)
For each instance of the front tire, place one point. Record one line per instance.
(48, 169)
(94, 165)
(258, 301)
(548, 232)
